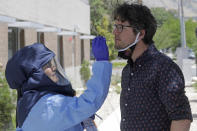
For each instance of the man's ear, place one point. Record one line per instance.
(142, 34)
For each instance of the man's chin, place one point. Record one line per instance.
(117, 47)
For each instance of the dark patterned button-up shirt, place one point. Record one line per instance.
(152, 93)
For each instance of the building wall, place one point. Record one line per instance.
(68, 51)
(86, 49)
(3, 44)
(30, 36)
(66, 14)
(77, 51)
(59, 14)
(50, 40)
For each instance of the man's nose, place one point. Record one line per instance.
(115, 31)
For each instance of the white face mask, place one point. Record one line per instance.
(132, 44)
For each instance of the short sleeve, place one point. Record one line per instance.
(171, 92)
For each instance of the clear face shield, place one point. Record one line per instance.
(55, 72)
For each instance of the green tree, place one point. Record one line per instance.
(168, 35)
(104, 30)
(85, 72)
(162, 15)
(97, 11)
(7, 104)
(191, 39)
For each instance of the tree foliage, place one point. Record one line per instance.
(85, 72)
(102, 21)
(190, 27)
(104, 30)
(7, 104)
(162, 15)
(168, 34)
(96, 11)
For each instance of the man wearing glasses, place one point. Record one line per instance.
(152, 96)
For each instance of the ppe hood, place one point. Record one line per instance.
(24, 71)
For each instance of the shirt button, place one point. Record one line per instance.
(131, 74)
(123, 119)
(125, 104)
(129, 89)
(139, 65)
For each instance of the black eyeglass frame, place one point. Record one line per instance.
(120, 27)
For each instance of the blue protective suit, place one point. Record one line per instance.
(47, 109)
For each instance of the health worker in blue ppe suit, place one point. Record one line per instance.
(46, 100)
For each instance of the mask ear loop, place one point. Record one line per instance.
(135, 42)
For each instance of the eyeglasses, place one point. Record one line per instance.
(120, 27)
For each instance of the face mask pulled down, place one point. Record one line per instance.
(127, 52)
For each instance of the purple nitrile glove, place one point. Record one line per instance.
(100, 49)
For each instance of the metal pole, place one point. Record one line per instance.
(195, 52)
(183, 51)
(182, 23)
(196, 65)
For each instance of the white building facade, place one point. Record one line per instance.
(62, 25)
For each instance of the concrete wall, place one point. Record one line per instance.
(30, 36)
(65, 14)
(3, 44)
(86, 49)
(50, 40)
(68, 51)
(77, 51)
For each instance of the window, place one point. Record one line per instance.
(15, 40)
(60, 51)
(40, 37)
(82, 50)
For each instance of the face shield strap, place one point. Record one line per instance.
(134, 43)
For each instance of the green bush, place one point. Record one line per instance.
(115, 80)
(119, 64)
(7, 105)
(118, 89)
(195, 86)
(85, 72)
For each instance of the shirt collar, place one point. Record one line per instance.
(147, 55)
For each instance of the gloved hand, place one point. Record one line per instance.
(100, 49)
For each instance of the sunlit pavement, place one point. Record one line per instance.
(112, 123)
(192, 96)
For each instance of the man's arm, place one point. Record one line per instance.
(180, 125)
(172, 94)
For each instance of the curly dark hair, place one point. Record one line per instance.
(139, 17)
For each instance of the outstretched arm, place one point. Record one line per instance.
(58, 112)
